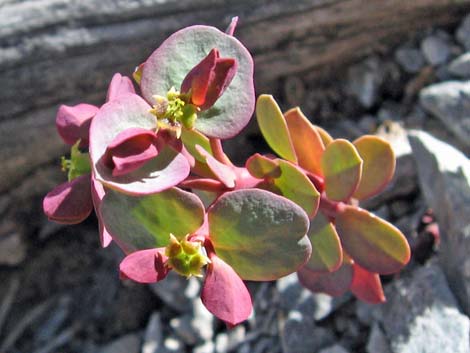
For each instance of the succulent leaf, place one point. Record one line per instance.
(173, 60)
(342, 166)
(324, 135)
(378, 165)
(73, 123)
(372, 242)
(221, 171)
(273, 126)
(307, 141)
(260, 234)
(120, 85)
(146, 221)
(144, 266)
(263, 167)
(327, 255)
(191, 138)
(366, 286)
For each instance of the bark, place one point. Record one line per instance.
(61, 51)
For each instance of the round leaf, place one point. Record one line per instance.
(160, 173)
(260, 234)
(307, 141)
(273, 126)
(146, 221)
(171, 62)
(342, 167)
(293, 184)
(327, 254)
(378, 166)
(372, 242)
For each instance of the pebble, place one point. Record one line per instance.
(12, 246)
(334, 349)
(172, 291)
(129, 343)
(206, 347)
(460, 66)
(436, 50)
(364, 80)
(463, 33)
(410, 59)
(377, 342)
(153, 337)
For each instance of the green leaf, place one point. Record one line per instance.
(146, 222)
(293, 184)
(171, 62)
(191, 138)
(263, 167)
(273, 126)
(372, 242)
(307, 141)
(342, 168)
(260, 234)
(327, 254)
(378, 166)
(324, 135)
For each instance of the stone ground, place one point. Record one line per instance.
(61, 292)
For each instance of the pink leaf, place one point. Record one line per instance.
(366, 286)
(130, 150)
(144, 266)
(224, 294)
(73, 123)
(120, 85)
(70, 202)
(224, 173)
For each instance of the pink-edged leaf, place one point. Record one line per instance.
(144, 266)
(224, 294)
(70, 202)
(372, 242)
(222, 172)
(262, 236)
(130, 150)
(263, 167)
(73, 123)
(297, 187)
(366, 286)
(97, 194)
(327, 254)
(120, 85)
(160, 173)
(342, 167)
(333, 283)
(170, 63)
(307, 141)
(378, 167)
(273, 126)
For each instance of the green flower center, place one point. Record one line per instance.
(186, 257)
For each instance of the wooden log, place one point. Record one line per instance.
(61, 51)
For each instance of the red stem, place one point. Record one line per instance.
(218, 152)
(203, 184)
(329, 207)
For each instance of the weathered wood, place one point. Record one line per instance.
(61, 51)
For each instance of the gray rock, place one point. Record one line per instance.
(422, 316)
(410, 59)
(436, 50)
(203, 321)
(129, 343)
(463, 33)
(172, 344)
(364, 80)
(207, 347)
(54, 322)
(377, 341)
(153, 338)
(334, 349)
(450, 102)
(173, 292)
(184, 329)
(444, 175)
(12, 246)
(460, 66)
(301, 335)
(367, 313)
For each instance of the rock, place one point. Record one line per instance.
(294, 91)
(54, 322)
(295, 297)
(410, 59)
(207, 347)
(367, 313)
(436, 50)
(183, 328)
(12, 246)
(173, 292)
(460, 66)
(301, 335)
(444, 176)
(171, 344)
(463, 33)
(422, 315)
(203, 321)
(334, 349)
(364, 80)
(450, 102)
(377, 341)
(129, 343)
(153, 338)
(265, 345)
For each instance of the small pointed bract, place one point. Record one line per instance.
(73, 123)
(130, 150)
(120, 85)
(70, 202)
(224, 294)
(144, 266)
(208, 80)
(366, 286)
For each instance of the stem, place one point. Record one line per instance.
(203, 184)
(218, 152)
(329, 207)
